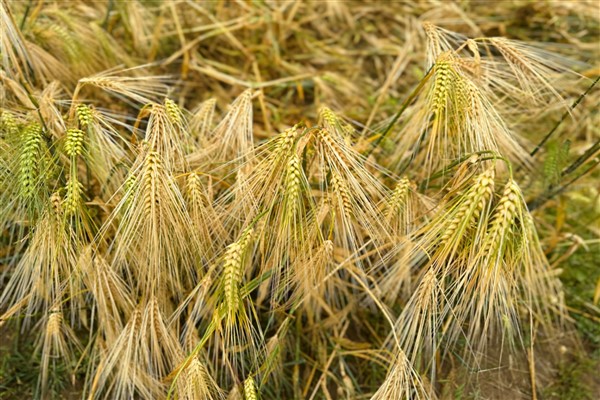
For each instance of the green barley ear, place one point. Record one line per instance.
(74, 142)
(74, 196)
(333, 123)
(555, 161)
(250, 390)
(9, 127)
(29, 159)
(174, 112)
(237, 331)
(84, 116)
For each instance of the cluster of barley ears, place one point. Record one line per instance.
(164, 253)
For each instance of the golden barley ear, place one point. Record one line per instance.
(154, 227)
(140, 358)
(128, 84)
(441, 248)
(351, 190)
(105, 147)
(57, 343)
(402, 382)
(196, 382)
(405, 210)
(43, 275)
(508, 272)
(16, 58)
(277, 189)
(231, 141)
(238, 334)
(201, 122)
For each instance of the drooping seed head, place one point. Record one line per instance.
(173, 111)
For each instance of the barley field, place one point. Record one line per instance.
(299, 199)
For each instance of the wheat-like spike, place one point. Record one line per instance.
(238, 335)
(155, 241)
(74, 142)
(141, 89)
(472, 205)
(84, 116)
(73, 198)
(201, 121)
(354, 191)
(401, 382)
(399, 195)
(250, 391)
(341, 191)
(8, 125)
(292, 185)
(233, 271)
(485, 294)
(333, 123)
(57, 341)
(197, 383)
(174, 112)
(444, 81)
(31, 153)
(210, 230)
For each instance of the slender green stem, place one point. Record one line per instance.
(564, 116)
(25, 15)
(547, 195)
(589, 153)
(109, 8)
(405, 105)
